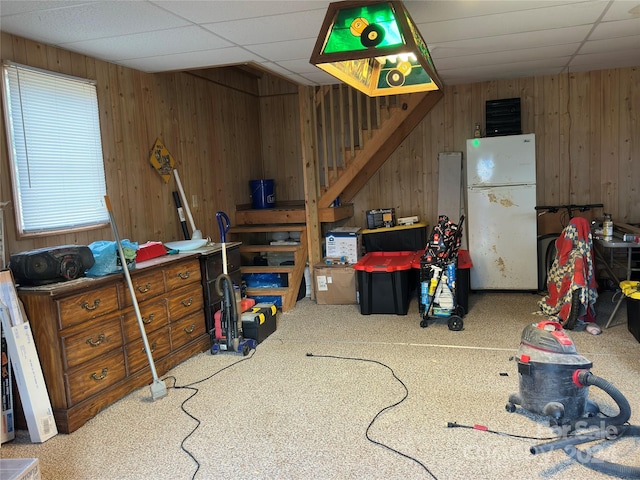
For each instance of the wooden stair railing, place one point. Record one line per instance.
(295, 272)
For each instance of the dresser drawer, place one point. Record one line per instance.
(214, 264)
(160, 344)
(187, 329)
(97, 337)
(185, 301)
(183, 274)
(145, 285)
(95, 376)
(154, 315)
(85, 306)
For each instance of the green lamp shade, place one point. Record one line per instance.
(376, 48)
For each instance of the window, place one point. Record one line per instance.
(55, 150)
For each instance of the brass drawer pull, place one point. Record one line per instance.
(102, 376)
(152, 347)
(190, 328)
(187, 303)
(95, 343)
(149, 319)
(86, 305)
(184, 275)
(144, 289)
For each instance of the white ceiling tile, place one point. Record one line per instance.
(618, 59)
(514, 22)
(165, 42)
(620, 28)
(291, 49)
(612, 45)
(509, 57)
(254, 31)
(442, 10)
(620, 10)
(302, 66)
(516, 41)
(191, 60)
(212, 11)
(87, 21)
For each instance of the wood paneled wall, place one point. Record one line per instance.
(209, 121)
(587, 129)
(227, 126)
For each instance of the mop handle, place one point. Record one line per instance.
(184, 200)
(136, 307)
(223, 224)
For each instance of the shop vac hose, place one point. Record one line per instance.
(610, 428)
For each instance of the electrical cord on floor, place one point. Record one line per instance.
(483, 428)
(406, 395)
(195, 391)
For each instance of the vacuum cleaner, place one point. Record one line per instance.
(554, 382)
(228, 331)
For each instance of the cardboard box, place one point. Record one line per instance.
(7, 431)
(344, 242)
(26, 364)
(335, 284)
(20, 469)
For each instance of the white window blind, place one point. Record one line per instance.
(55, 149)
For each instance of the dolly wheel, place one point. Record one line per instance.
(510, 407)
(460, 311)
(455, 323)
(424, 323)
(245, 350)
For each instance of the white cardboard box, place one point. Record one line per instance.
(25, 363)
(20, 469)
(344, 242)
(7, 431)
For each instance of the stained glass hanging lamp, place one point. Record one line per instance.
(376, 48)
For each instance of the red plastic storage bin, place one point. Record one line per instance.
(383, 282)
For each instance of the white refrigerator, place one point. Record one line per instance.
(501, 221)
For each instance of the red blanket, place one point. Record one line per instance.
(572, 269)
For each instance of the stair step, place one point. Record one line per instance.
(267, 291)
(290, 227)
(269, 248)
(267, 269)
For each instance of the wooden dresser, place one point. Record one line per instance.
(88, 340)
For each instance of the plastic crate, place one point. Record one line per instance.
(383, 282)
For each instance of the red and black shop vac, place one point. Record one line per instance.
(554, 382)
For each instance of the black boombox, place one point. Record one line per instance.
(51, 264)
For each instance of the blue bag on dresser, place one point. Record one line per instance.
(107, 260)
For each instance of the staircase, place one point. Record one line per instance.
(346, 137)
(294, 272)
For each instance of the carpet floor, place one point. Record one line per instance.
(334, 394)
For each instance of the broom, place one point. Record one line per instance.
(158, 387)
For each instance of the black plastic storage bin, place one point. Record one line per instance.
(383, 282)
(401, 238)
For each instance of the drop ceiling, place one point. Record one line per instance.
(470, 40)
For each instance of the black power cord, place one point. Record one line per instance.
(195, 391)
(483, 428)
(406, 394)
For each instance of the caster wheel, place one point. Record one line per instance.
(245, 350)
(459, 311)
(215, 349)
(510, 407)
(455, 323)
(424, 323)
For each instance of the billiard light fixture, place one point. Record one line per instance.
(376, 48)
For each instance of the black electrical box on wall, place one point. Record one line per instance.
(503, 117)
